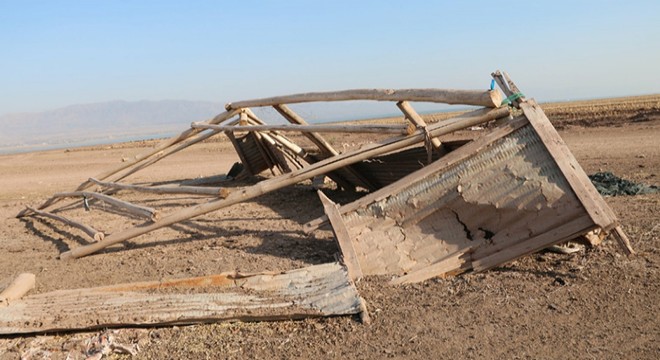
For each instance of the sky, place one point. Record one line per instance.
(58, 53)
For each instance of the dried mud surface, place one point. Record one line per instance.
(595, 304)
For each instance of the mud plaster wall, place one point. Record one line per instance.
(507, 193)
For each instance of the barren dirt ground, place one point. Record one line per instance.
(595, 304)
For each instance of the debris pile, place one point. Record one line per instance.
(434, 208)
(609, 184)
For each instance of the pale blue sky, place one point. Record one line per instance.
(57, 53)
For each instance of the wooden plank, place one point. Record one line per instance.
(623, 240)
(367, 129)
(319, 168)
(449, 264)
(416, 119)
(487, 98)
(241, 155)
(568, 231)
(320, 290)
(90, 231)
(593, 203)
(193, 190)
(344, 241)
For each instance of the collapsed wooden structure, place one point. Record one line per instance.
(434, 208)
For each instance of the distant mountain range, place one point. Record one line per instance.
(100, 123)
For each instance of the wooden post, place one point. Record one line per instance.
(321, 167)
(416, 119)
(490, 99)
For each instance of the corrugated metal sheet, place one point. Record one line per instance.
(509, 192)
(321, 290)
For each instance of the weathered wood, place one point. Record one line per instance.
(319, 168)
(416, 119)
(449, 264)
(488, 99)
(143, 211)
(91, 232)
(309, 159)
(450, 159)
(593, 203)
(324, 146)
(623, 240)
(193, 190)
(367, 129)
(317, 139)
(343, 237)
(315, 291)
(558, 235)
(17, 288)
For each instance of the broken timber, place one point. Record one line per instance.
(315, 291)
(512, 190)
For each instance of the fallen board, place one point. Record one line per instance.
(320, 290)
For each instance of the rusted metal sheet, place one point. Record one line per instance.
(320, 290)
(480, 203)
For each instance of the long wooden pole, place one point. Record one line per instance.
(367, 129)
(193, 190)
(91, 232)
(488, 98)
(319, 168)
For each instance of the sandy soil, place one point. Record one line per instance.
(594, 304)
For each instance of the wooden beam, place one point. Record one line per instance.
(317, 139)
(451, 263)
(486, 98)
(193, 190)
(416, 119)
(91, 232)
(342, 236)
(319, 168)
(368, 129)
(324, 146)
(585, 191)
(623, 240)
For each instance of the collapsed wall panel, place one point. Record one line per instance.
(490, 201)
(320, 290)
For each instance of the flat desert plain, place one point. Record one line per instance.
(594, 304)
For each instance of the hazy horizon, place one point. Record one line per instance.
(75, 52)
